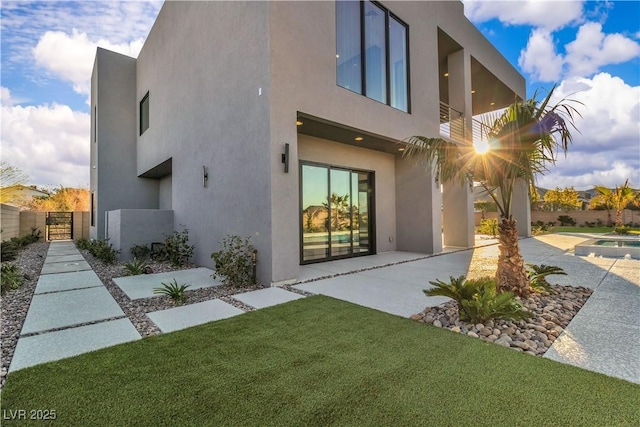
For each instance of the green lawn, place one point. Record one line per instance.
(567, 229)
(318, 361)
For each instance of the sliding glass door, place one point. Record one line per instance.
(336, 214)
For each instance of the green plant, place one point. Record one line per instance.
(136, 267)
(234, 262)
(158, 252)
(177, 247)
(140, 251)
(489, 226)
(83, 244)
(173, 290)
(478, 299)
(566, 220)
(11, 277)
(21, 242)
(8, 251)
(100, 249)
(538, 276)
(621, 230)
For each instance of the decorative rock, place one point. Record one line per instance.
(472, 334)
(456, 329)
(485, 332)
(521, 345)
(503, 343)
(531, 344)
(479, 326)
(492, 338)
(416, 316)
(437, 324)
(496, 332)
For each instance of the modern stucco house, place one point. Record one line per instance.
(282, 121)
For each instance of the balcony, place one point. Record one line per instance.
(452, 126)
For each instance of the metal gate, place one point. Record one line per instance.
(59, 225)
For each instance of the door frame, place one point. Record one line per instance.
(372, 212)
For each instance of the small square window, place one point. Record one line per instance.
(144, 114)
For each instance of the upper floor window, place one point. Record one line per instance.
(372, 52)
(144, 114)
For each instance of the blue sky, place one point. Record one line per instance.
(590, 49)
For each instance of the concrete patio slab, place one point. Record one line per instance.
(186, 316)
(142, 286)
(267, 297)
(66, 281)
(62, 250)
(614, 307)
(65, 267)
(401, 299)
(71, 342)
(63, 258)
(60, 309)
(600, 345)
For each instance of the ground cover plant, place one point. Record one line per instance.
(318, 361)
(173, 290)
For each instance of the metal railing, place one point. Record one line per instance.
(451, 123)
(479, 130)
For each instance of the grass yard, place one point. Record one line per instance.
(567, 229)
(317, 361)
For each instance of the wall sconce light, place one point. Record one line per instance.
(285, 158)
(205, 176)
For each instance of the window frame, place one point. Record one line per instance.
(145, 99)
(388, 15)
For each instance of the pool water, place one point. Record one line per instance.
(618, 243)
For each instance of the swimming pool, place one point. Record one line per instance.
(613, 248)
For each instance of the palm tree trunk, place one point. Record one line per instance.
(511, 274)
(619, 218)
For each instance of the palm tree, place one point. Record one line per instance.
(338, 204)
(524, 139)
(618, 199)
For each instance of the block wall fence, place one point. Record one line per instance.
(580, 217)
(17, 223)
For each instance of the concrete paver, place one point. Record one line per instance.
(57, 345)
(142, 286)
(60, 309)
(186, 316)
(66, 281)
(65, 267)
(267, 297)
(63, 258)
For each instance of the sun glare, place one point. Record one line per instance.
(481, 146)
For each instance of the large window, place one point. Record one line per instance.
(336, 213)
(144, 114)
(372, 52)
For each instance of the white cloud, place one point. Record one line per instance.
(71, 57)
(540, 58)
(607, 149)
(5, 97)
(549, 15)
(50, 143)
(593, 49)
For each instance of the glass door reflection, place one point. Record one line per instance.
(335, 213)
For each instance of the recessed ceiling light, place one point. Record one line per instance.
(446, 74)
(359, 138)
(401, 149)
(298, 123)
(493, 103)
(337, 55)
(473, 91)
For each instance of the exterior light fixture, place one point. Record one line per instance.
(205, 176)
(299, 123)
(359, 138)
(285, 158)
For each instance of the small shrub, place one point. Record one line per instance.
(83, 244)
(8, 251)
(590, 224)
(233, 263)
(177, 247)
(478, 299)
(136, 267)
(599, 222)
(551, 223)
(538, 276)
(621, 230)
(489, 226)
(158, 252)
(140, 251)
(566, 220)
(173, 290)
(11, 277)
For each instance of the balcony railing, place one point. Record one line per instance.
(451, 123)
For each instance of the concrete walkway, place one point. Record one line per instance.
(71, 312)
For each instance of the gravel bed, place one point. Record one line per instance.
(136, 310)
(551, 313)
(15, 303)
